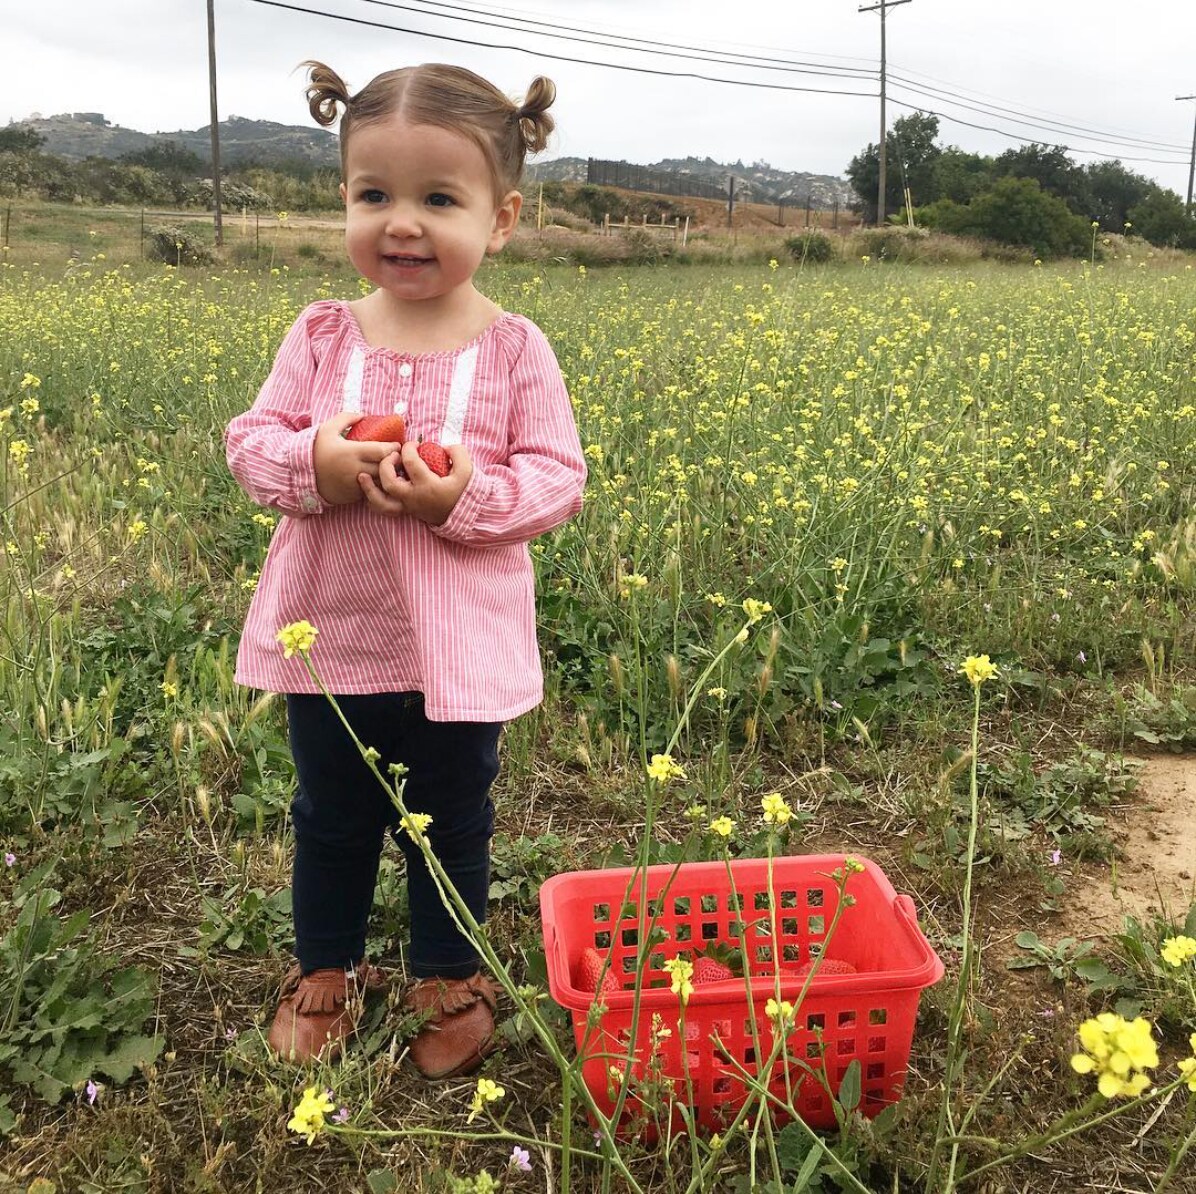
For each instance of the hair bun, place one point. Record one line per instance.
(325, 90)
(535, 124)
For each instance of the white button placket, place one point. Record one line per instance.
(406, 372)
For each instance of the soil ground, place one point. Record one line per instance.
(1155, 874)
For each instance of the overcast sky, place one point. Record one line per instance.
(1112, 68)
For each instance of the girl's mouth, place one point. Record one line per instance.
(406, 262)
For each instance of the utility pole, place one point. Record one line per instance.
(1192, 167)
(215, 121)
(882, 8)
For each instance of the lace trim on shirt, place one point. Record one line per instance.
(459, 391)
(351, 400)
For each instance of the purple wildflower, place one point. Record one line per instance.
(1082, 657)
(1056, 857)
(342, 1116)
(521, 1159)
(92, 1091)
(10, 859)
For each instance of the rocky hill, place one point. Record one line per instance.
(757, 183)
(78, 135)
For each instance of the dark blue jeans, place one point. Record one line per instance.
(341, 816)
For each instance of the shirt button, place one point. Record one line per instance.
(311, 502)
(400, 408)
(405, 370)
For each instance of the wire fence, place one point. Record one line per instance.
(658, 182)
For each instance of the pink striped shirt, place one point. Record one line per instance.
(448, 611)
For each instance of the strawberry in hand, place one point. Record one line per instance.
(435, 457)
(386, 429)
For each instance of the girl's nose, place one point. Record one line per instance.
(402, 220)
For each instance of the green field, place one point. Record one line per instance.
(908, 465)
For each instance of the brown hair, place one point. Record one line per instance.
(449, 97)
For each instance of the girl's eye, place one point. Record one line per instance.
(372, 196)
(439, 199)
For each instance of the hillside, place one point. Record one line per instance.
(757, 183)
(79, 135)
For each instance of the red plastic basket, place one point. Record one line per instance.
(867, 1016)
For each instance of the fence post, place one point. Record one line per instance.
(808, 201)
(606, 223)
(835, 217)
(7, 222)
(257, 234)
(781, 212)
(685, 234)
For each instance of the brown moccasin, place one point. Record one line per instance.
(318, 1011)
(458, 1034)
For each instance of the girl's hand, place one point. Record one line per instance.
(422, 494)
(339, 461)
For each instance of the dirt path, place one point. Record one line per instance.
(1158, 841)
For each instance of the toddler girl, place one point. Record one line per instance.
(419, 585)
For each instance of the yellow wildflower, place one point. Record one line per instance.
(308, 1117)
(978, 668)
(1187, 1067)
(681, 971)
(723, 826)
(416, 825)
(781, 1013)
(1119, 1051)
(755, 610)
(776, 811)
(487, 1091)
(1178, 950)
(662, 769)
(297, 636)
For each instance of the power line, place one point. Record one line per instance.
(1026, 140)
(1013, 115)
(958, 89)
(610, 32)
(643, 70)
(646, 46)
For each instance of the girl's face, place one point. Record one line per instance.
(420, 209)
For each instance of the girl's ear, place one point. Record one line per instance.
(344, 194)
(506, 220)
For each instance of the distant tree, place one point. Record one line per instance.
(1115, 190)
(1052, 169)
(1162, 219)
(18, 138)
(959, 176)
(168, 157)
(910, 154)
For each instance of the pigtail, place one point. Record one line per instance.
(325, 90)
(534, 122)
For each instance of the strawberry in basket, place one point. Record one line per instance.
(826, 968)
(717, 963)
(590, 976)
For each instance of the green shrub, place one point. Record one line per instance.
(1018, 212)
(177, 247)
(813, 247)
(896, 242)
